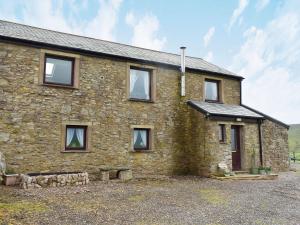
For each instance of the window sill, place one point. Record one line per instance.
(141, 151)
(140, 100)
(59, 86)
(212, 101)
(75, 151)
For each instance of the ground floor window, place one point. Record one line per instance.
(75, 137)
(141, 139)
(222, 133)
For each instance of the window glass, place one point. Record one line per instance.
(58, 71)
(139, 84)
(75, 137)
(222, 133)
(211, 90)
(140, 139)
(233, 139)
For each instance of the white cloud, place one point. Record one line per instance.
(45, 14)
(145, 31)
(50, 15)
(209, 57)
(237, 12)
(130, 19)
(103, 24)
(207, 37)
(261, 4)
(270, 60)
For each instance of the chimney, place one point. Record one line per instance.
(182, 69)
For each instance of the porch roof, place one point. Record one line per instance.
(218, 109)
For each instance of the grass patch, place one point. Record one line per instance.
(9, 210)
(136, 198)
(213, 196)
(28, 207)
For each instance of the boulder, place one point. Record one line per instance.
(223, 169)
(104, 175)
(125, 175)
(4, 137)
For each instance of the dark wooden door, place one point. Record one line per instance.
(236, 147)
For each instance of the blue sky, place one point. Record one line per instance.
(258, 39)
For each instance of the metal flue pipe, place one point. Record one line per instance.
(182, 69)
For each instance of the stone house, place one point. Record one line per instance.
(72, 103)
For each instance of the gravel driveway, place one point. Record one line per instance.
(179, 200)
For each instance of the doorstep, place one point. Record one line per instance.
(248, 177)
(237, 172)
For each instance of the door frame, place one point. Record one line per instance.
(236, 156)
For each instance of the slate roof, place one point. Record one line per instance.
(217, 109)
(20, 32)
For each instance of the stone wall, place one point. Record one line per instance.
(32, 117)
(55, 180)
(215, 152)
(275, 146)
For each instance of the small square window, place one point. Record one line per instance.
(222, 133)
(141, 139)
(212, 91)
(140, 84)
(59, 70)
(75, 137)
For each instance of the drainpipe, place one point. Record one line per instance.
(182, 69)
(259, 122)
(241, 93)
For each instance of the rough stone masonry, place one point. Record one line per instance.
(55, 180)
(184, 141)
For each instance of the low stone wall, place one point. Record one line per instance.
(54, 180)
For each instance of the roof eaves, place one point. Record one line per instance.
(236, 116)
(216, 73)
(43, 44)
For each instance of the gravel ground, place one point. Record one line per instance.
(177, 200)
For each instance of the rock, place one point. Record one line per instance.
(4, 137)
(53, 180)
(223, 169)
(40, 179)
(125, 175)
(3, 83)
(24, 185)
(104, 175)
(3, 54)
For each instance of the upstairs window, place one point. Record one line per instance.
(222, 133)
(140, 84)
(76, 137)
(141, 139)
(59, 70)
(212, 91)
